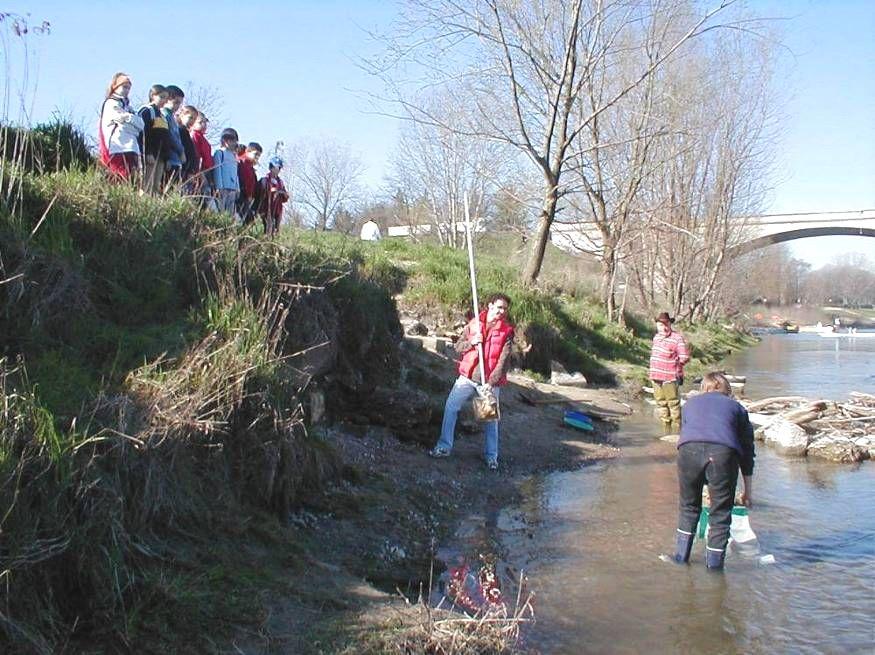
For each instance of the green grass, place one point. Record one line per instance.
(561, 318)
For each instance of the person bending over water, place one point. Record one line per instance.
(716, 440)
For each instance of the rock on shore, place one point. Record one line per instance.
(837, 449)
(788, 438)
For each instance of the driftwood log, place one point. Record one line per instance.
(805, 414)
(863, 398)
(838, 431)
(760, 405)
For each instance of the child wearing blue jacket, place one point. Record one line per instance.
(227, 183)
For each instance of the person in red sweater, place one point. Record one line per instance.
(203, 176)
(247, 160)
(272, 195)
(668, 354)
(495, 333)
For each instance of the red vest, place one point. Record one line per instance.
(494, 339)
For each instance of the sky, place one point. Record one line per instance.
(288, 71)
(826, 157)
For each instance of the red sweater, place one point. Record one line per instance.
(668, 356)
(273, 195)
(204, 152)
(246, 173)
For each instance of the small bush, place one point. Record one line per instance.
(54, 146)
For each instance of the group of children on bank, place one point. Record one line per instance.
(164, 145)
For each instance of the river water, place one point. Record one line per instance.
(589, 540)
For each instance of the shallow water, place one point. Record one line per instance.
(589, 540)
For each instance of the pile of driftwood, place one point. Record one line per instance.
(841, 432)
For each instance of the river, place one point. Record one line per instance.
(589, 540)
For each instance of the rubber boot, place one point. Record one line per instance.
(714, 559)
(684, 546)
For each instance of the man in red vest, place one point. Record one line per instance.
(496, 334)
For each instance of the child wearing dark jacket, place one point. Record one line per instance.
(272, 195)
(154, 140)
(247, 160)
(176, 153)
(185, 119)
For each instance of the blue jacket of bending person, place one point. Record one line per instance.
(715, 418)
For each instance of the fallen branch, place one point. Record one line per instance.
(801, 417)
(857, 410)
(765, 402)
(805, 414)
(858, 419)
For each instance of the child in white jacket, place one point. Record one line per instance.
(119, 129)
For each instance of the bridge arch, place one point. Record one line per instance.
(790, 235)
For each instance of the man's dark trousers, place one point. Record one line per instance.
(697, 462)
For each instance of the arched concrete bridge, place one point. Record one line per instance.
(778, 228)
(761, 231)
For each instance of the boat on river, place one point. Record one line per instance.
(848, 335)
(817, 329)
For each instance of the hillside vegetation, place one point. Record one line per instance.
(156, 372)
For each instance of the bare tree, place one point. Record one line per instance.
(210, 101)
(848, 280)
(770, 275)
(718, 116)
(524, 65)
(613, 155)
(510, 212)
(328, 176)
(440, 166)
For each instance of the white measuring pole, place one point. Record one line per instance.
(470, 242)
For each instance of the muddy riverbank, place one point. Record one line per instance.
(378, 538)
(583, 517)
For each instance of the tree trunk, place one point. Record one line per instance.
(609, 266)
(542, 234)
(621, 317)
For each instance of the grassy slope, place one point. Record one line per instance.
(112, 283)
(144, 317)
(561, 318)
